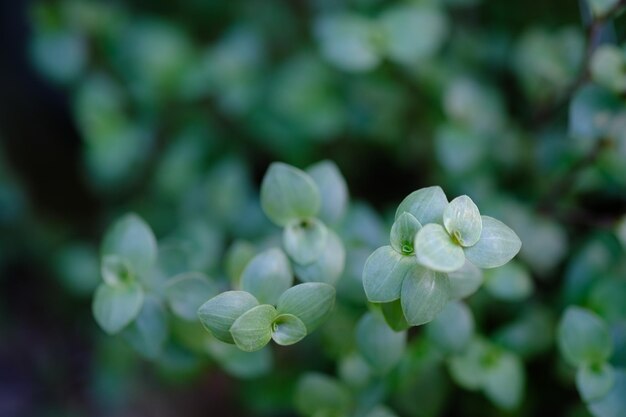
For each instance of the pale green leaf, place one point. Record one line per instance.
(413, 32)
(394, 316)
(238, 363)
(253, 329)
(131, 239)
(116, 306)
(311, 302)
(317, 393)
(426, 205)
(305, 240)
(148, 332)
(462, 220)
(504, 380)
(333, 190)
(288, 193)
(239, 254)
(467, 368)
(465, 281)
(613, 404)
(219, 313)
(384, 272)
(403, 233)
(510, 282)
(497, 245)
(329, 266)
(379, 345)
(436, 250)
(267, 276)
(595, 381)
(185, 293)
(288, 329)
(584, 337)
(453, 328)
(424, 294)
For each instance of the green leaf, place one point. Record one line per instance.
(305, 240)
(347, 42)
(329, 266)
(288, 194)
(497, 245)
(595, 381)
(426, 205)
(436, 250)
(453, 328)
(510, 282)
(379, 345)
(394, 316)
(287, 329)
(403, 233)
(241, 364)
(116, 306)
(601, 7)
(613, 404)
(413, 32)
(115, 270)
(267, 276)
(239, 254)
(383, 274)
(467, 368)
(584, 337)
(462, 220)
(219, 313)
(148, 332)
(333, 190)
(607, 67)
(311, 302)
(253, 329)
(465, 281)
(131, 239)
(424, 294)
(504, 381)
(588, 102)
(317, 394)
(185, 293)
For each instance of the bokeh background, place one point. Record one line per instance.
(174, 110)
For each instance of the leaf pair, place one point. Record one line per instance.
(129, 251)
(238, 317)
(292, 199)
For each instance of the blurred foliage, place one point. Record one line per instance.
(181, 107)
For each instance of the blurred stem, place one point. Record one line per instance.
(594, 29)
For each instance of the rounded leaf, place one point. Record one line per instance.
(462, 220)
(131, 239)
(510, 282)
(497, 245)
(595, 381)
(305, 240)
(333, 190)
(383, 274)
(453, 328)
(403, 233)
(219, 313)
(239, 363)
(287, 329)
(424, 294)
(426, 205)
(186, 292)
(584, 337)
(116, 306)
(239, 254)
(612, 403)
(317, 394)
(394, 316)
(465, 281)
(379, 345)
(288, 193)
(311, 302)
(436, 250)
(329, 266)
(504, 380)
(148, 331)
(253, 329)
(267, 276)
